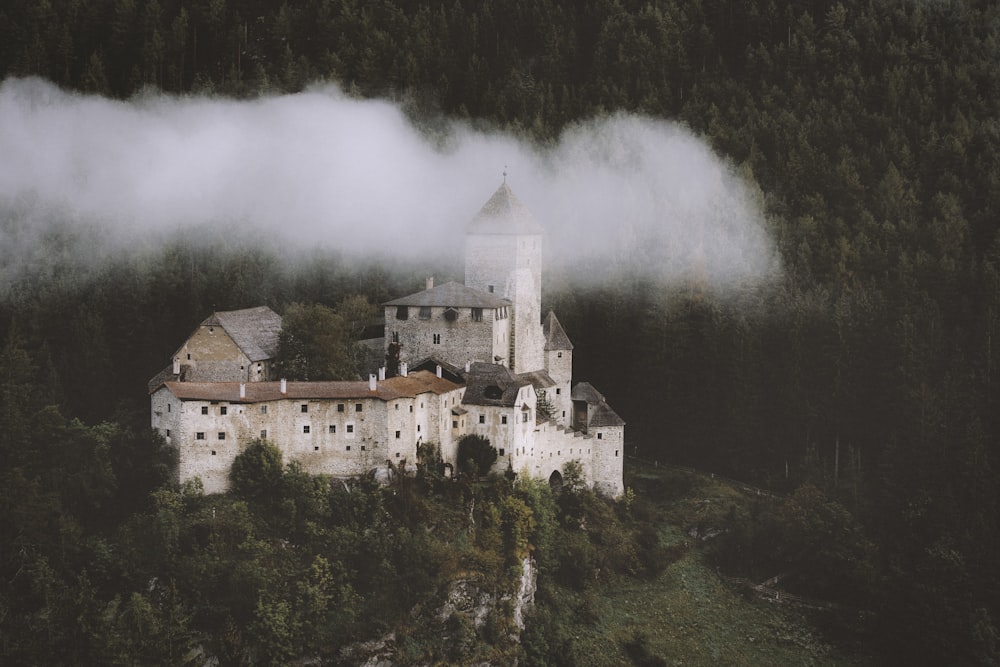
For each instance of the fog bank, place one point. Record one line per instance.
(320, 169)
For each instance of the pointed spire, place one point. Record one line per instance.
(504, 214)
(555, 336)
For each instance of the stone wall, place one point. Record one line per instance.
(461, 340)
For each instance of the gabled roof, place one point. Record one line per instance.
(584, 391)
(254, 330)
(430, 364)
(492, 384)
(504, 214)
(538, 379)
(603, 415)
(555, 337)
(451, 294)
(412, 385)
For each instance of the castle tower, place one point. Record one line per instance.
(559, 366)
(503, 256)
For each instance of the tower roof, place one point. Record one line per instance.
(555, 337)
(504, 214)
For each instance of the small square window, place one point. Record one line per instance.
(316, 448)
(204, 409)
(503, 419)
(222, 435)
(213, 452)
(425, 312)
(200, 435)
(397, 435)
(305, 429)
(397, 455)
(168, 432)
(558, 355)
(454, 423)
(223, 410)
(333, 428)
(477, 314)
(263, 434)
(305, 407)
(489, 288)
(263, 409)
(340, 407)
(357, 407)
(600, 436)
(558, 391)
(501, 451)
(350, 428)
(362, 448)
(482, 419)
(348, 448)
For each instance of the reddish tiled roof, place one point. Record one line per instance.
(414, 384)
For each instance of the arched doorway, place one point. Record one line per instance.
(556, 481)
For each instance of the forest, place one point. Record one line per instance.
(859, 381)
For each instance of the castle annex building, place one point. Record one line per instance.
(477, 358)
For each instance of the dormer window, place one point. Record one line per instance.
(477, 314)
(450, 314)
(402, 312)
(425, 312)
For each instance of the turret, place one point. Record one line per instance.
(503, 256)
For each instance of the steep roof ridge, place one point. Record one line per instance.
(504, 214)
(555, 335)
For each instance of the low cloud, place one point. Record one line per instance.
(321, 169)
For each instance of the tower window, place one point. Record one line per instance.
(425, 312)
(305, 407)
(482, 419)
(357, 407)
(340, 407)
(222, 435)
(437, 339)
(489, 288)
(305, 429)
(204, 409)
(223, 410)
(333, 428)
(402, 312)
(477, 314)
(200, 435)
(503, 419)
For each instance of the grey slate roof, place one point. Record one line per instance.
(603, 415)
(482, 376)
(584, 391)
(599, 413)
(555, 337)
(539, 379)
(504, 214)
(451, 294)
(254, 330)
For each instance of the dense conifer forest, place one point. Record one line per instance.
(859, 381)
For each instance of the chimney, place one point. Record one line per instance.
(371, 382)
(177, 365)
(430, 283)
(243, 390)
(402, 368)
(381, 373)
(284, 386)
(438, 371)
(468, 366)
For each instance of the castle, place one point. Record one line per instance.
(464, 359)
